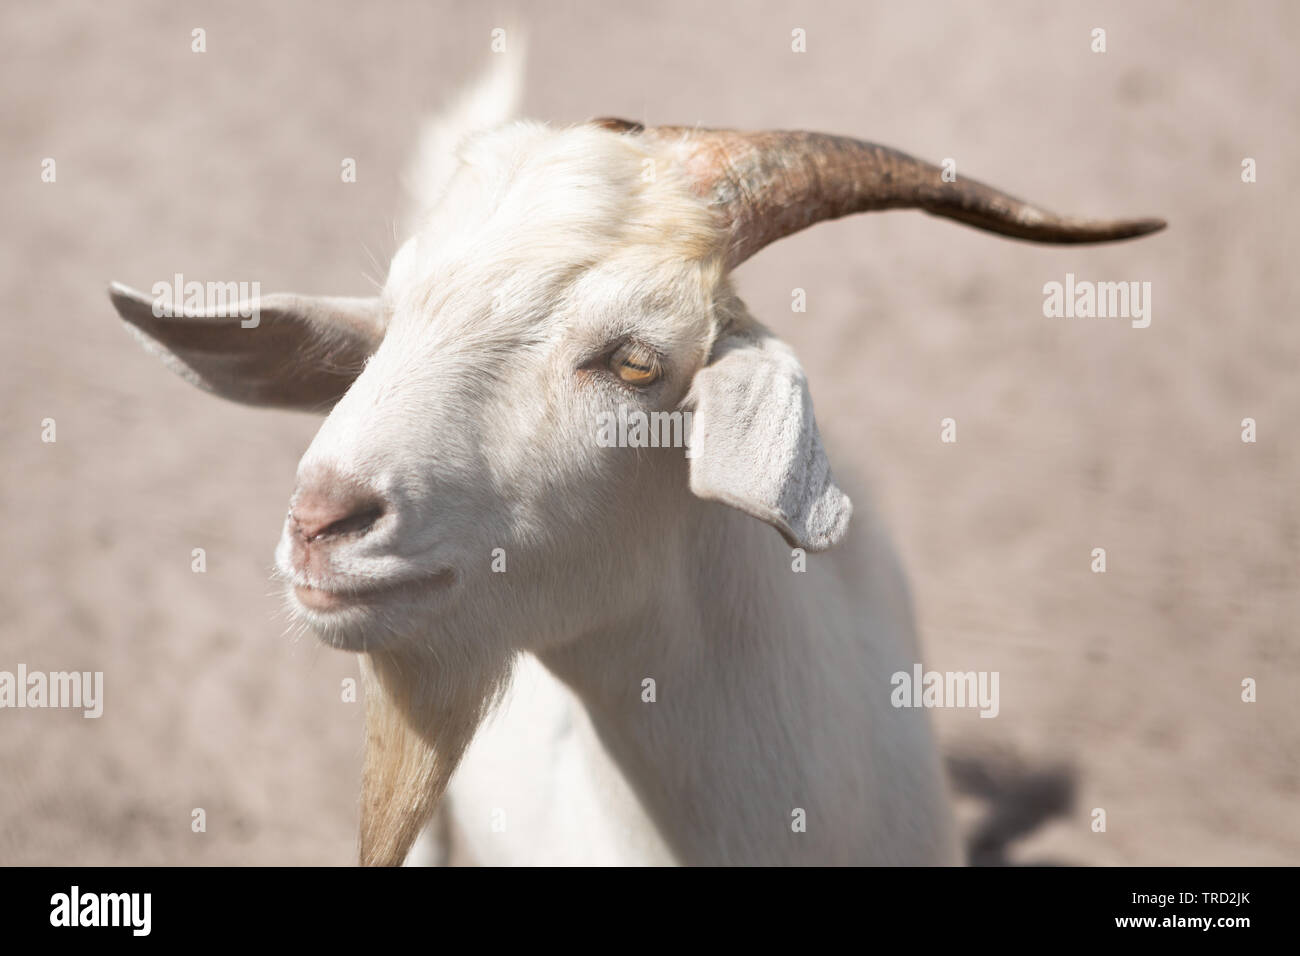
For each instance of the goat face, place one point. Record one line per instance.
(459, 485)
(462, 469)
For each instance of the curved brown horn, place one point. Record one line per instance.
(772, 184)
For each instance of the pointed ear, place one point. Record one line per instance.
(279, 351)
(755, 444)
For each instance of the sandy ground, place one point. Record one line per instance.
(1118, 690)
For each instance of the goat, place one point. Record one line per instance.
(666, 688)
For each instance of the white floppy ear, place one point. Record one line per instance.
(755, 444)
(298, 351)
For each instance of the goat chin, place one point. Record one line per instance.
(371, 621)
(420, 717)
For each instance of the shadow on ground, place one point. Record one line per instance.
(1016, 800)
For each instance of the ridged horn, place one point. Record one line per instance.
(772, 184)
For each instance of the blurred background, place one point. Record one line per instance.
(1119, 691)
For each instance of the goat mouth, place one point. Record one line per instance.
(324, 600)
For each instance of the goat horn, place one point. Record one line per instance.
(772, 184)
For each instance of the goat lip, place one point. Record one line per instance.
(325, 600)
(317, 599)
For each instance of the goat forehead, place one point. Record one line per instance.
(478, 304)
(531, 210)
(577, 306)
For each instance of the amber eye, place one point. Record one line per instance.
(635, 364)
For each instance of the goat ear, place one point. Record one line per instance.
(755, 444)
(278, 351)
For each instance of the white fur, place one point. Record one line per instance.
(772, 686)
(475, 418)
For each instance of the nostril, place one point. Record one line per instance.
(331, 514)
(356, 523)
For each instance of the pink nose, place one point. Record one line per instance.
(331, 509)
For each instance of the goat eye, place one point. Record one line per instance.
(635, 364)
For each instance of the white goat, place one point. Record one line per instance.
(556, 275)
